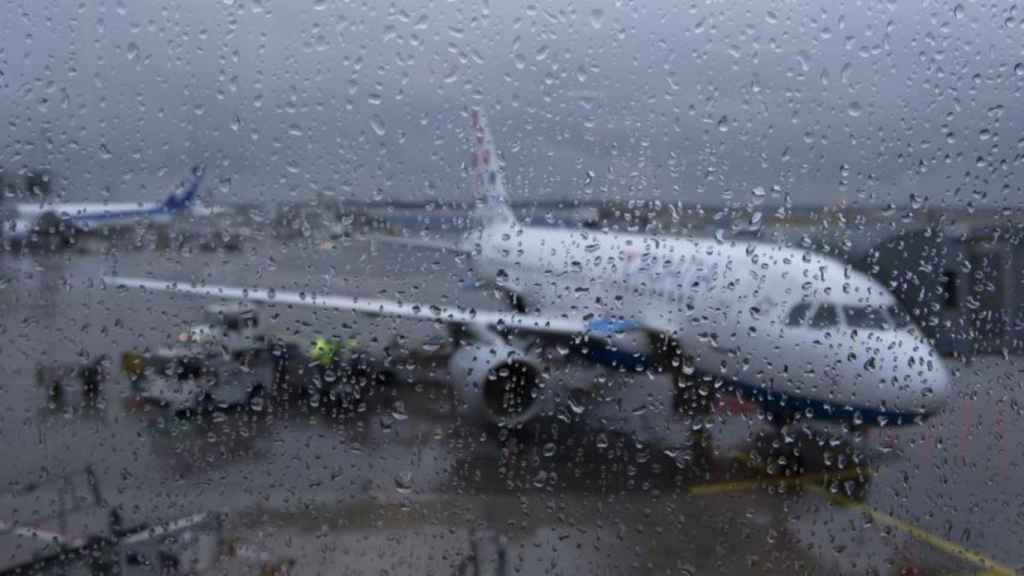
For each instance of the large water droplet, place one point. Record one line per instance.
(854, 109)
(398, 412)
(131, 50)
(958, 11)
(596, 18)
(403, 482)
(378, 125)
(844, 74)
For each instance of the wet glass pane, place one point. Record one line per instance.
(321, 286)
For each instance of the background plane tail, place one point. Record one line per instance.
(186, 197)
(488, 180)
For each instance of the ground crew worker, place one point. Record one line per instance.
(324, 356)
(332, 376)
(324, 352)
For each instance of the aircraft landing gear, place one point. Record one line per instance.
(693, 399)
(783, 454)
(692, 396)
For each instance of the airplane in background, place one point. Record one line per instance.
(801, 334)
(28, 220)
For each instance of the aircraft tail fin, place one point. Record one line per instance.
(185, 198)
(488, 180)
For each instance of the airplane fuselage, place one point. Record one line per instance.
(799, 331)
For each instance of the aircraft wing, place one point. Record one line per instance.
(374, 307)
(426, 243)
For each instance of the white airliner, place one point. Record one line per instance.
(67, 218)
(802, 334)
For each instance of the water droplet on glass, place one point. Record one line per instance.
(576, 403)
(596, 18)
(854, 109)
(1019, 69)
(319, 4)
(403, 482)
(844, 73)
(550, 449)
(131, 50)
(398, 412)
(378, 125)
(958, 11)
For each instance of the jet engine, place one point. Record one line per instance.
(496, 382)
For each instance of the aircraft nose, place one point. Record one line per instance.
(936, 386)
(929, 378)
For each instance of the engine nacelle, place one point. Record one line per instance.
(496, 382)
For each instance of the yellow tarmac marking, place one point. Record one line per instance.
(991, 566)
(746, 485)
(816, 481)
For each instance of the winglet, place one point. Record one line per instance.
(178, 201)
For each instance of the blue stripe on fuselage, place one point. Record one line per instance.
(770, 401)
(602, 355)
(779, 402)
(605, 327)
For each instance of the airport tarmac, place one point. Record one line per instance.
(408, 484)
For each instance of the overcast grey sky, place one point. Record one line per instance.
(660, 99)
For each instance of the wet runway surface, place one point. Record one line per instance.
(407, 483)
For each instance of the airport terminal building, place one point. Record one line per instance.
(964, 283)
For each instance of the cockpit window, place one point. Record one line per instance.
(825, 316)
(866, 317)
(899, 317)
(798, 315)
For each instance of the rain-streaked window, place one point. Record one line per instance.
(320, 286)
